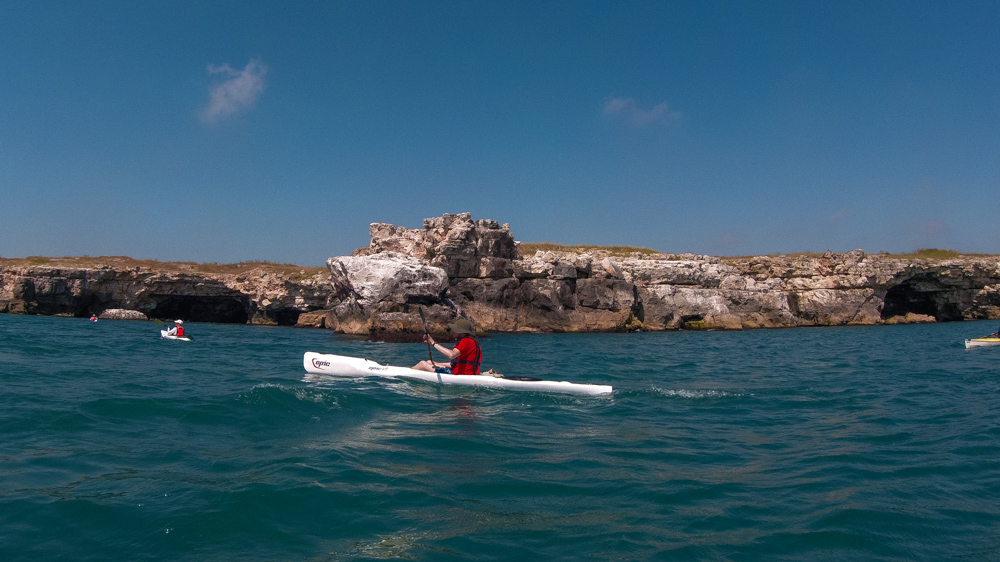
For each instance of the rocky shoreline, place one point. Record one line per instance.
(456, 266)
(127, 289)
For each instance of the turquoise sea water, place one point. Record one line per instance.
(875, 443)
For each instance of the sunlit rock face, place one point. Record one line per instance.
(457, 244)
(389, 277)
(383, 292)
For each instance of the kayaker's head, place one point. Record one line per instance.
(178, 321)
(462, 326)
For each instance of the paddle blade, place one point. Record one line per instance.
(157, 321)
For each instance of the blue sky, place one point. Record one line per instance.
(230, 131)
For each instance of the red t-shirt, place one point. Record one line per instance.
(468, 350)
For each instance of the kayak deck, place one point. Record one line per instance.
(340, 365)
(981, 342)
(166, 336)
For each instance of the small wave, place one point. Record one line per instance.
(697, 394)
(270, 393)
(400, 546)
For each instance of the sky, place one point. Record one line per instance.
(258, 130)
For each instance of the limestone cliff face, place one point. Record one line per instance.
(455, 266)
(381, 287)
(834, 289)
(256, 296)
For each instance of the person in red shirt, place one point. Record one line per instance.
(465, 358)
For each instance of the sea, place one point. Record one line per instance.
(852, 443)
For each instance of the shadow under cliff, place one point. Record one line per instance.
(221, 309)
(926, 295)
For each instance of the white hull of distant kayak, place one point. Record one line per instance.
(981, 342)
(339, 365)
(164, 335)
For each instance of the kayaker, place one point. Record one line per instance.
(465, 357)
(93, 318)
(177, 330)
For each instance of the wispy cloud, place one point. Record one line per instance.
(629, 110)
(237, 91)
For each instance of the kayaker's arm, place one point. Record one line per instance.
(449, 353)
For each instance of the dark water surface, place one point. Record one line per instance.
(878, 443)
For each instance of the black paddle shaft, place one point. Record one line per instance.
(426, 335)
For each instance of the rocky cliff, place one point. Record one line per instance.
(118, 287)
(457, 266)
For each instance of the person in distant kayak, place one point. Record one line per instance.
(177, 330)
(465, 358)
(93, 318)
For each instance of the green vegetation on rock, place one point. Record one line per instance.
(930, 254)
(529, 249)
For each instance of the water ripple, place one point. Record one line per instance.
(833, 444)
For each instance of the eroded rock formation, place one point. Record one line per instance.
(500, 290)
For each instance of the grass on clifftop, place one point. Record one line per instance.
(922, 254)
(125, 262)
(931, 254)
(527, 249)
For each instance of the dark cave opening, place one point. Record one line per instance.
(920, 297)
(286, 316)
(223, 310)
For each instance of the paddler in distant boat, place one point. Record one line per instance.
(177, 330)
(465, 358)
(93, 318)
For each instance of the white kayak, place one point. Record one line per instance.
(165, 335)
(981, 342)
(326, 364)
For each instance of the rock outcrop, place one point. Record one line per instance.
(488, 282)
(462, 247)
(122, 314)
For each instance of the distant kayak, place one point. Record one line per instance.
(163, 334)
(981, 342)
(339, 365)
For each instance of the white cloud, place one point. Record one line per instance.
(629, 110)
(238, 91)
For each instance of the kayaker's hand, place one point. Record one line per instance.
(429, 339)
